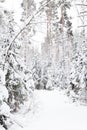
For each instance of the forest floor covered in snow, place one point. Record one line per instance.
(52, 111)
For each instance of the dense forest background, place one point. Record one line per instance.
(43, 48)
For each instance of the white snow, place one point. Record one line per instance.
(4, 109)
(52, 111)
(14, 5)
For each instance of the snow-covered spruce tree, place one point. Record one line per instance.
(65, 35)
(16, 76)
(78, 73)
(40, 72)
(37, 72)
(4, 108)
(10, 59)
(4, 43)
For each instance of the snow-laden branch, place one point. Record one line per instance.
(81, 4)
(26, 25)
(82, 26)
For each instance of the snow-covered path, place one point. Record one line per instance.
(53, 113)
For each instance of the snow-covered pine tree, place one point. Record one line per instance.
(10, 60)
(4, 43)
(78, 78)
(15, 76)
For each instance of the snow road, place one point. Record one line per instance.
(52, 112)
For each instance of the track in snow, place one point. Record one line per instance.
(52, 113)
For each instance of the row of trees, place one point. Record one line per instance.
(61, 62)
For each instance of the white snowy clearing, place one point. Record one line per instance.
(52, 111)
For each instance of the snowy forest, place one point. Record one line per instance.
(43, 60)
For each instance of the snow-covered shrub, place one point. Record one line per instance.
(78, 74)
(4, 107)
(18, 92)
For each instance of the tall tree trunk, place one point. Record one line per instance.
(49, 29)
